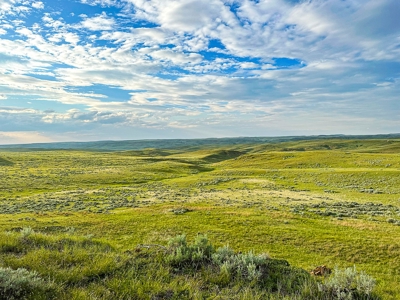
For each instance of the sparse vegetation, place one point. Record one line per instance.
(352, 209)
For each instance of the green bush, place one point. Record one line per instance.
(23, 284)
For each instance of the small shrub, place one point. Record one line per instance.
(180, 211)
(23, 284)
(70, 230)
(184, 255)
(26, 232)
(245, 266)
(348, 284)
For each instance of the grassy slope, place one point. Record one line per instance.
(260, 197)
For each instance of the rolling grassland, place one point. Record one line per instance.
(232, 221)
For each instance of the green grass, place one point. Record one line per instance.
(66, 265)
(319, 202)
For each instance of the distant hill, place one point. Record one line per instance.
(182, 143)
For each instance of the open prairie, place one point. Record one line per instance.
(95, 225)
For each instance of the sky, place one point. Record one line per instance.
(86, 70)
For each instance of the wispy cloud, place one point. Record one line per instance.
(98, 23)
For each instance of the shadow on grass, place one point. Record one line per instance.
(5, 162)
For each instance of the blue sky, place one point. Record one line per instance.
(80, 70)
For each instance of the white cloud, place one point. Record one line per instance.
(7, 5)
(50, 22)
(68, 37)
(38, 5)
(249, 65)
(99, 23)
(176, 57)
(147, 36)
(189, 15)
(384, 84)
(100, 2)
(182, 125)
